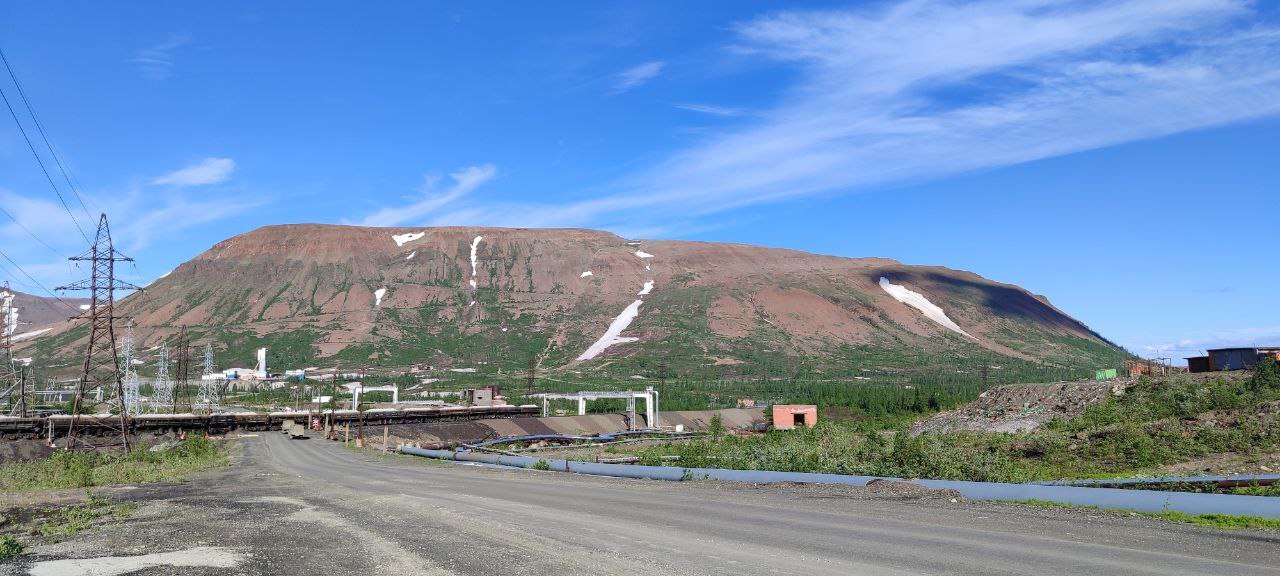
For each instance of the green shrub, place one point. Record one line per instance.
(9, 547)
(541, 465)
(1266, 375)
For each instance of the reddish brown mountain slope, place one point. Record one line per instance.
(311, 292)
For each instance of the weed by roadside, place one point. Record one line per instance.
(71, 520)
(1223, 521)
(10, 547)
(67, 469)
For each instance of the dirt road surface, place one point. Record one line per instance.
(313, 507)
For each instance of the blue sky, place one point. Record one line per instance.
(1120, 157)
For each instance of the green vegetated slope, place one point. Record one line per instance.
(1155, 422)
(308, 293)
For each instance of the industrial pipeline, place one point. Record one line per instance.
(1109, 498)
(105, 424)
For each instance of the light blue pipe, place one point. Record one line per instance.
(1111, 498)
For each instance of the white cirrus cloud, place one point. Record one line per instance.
(923, 89)
(709, 109)
(207, 171)
(465, 181)
(156, 62)
(637, 75)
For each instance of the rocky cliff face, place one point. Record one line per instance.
(583, 299)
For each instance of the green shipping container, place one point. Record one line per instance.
(1104, 374)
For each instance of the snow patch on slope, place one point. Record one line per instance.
(919, 302)
(474, 244)
(411, 255)
(648, 287)
(377, 296)
(401, 239)
(611, 336)
(29, 335)
(585, 274)
(643, 254)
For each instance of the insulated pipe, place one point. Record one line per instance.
(1112, 498)
(1237, 481)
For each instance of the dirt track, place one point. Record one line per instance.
(313, 507)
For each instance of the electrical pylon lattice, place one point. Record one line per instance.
(132, 396)
(209, 386)
(101, 386)
(162, 389)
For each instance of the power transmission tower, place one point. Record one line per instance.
(209, 385)
(182, 386)
(101, 361)
(162, 390)
(132, 396)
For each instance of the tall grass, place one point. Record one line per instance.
(66, 469)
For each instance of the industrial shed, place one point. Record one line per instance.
(1240, 358)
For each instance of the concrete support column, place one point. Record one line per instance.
(582, 406)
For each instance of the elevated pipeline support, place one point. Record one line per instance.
(1109, 498)
(56, 426)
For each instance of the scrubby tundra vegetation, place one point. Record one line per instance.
(69, 469)
(1156, 422)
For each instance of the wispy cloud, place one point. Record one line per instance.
(465, 181)
(709, 109)
(923, 89)
(1256, 336)
(148, 214)
(156, 62)
(637, 75)
(207, 171)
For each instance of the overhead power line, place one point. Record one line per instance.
(40, 161)
(36, 282)
(30, 233)
(57, 158)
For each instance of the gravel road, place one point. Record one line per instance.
(314, 507)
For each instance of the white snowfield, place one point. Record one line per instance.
(401, 239)
(648, 287)
(29, 335)
(611, 336)
(919, 302)
(411, 255)
(474, 244)
(377, 296)
(8, 313)
(643, 254)
(585, 274)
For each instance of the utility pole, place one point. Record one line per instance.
(101, 362)
(22, 394)
(333, 403)
(662, 378)
(532, 376)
